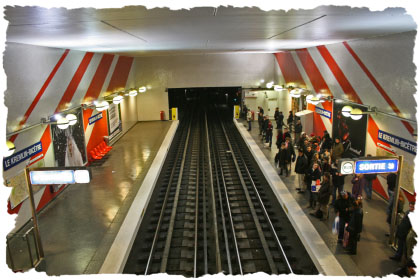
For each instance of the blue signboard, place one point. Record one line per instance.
(22, 155)
(398, 142)
(95, 118)
(323, 112)
(376, 166)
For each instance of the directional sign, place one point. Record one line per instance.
(346, 166)
(376, 166)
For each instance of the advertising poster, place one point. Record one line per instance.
(69, 144)
(351, 132)
(114, 122)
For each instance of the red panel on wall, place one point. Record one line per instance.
(99, 130)
(319, 126)
(289, 68)
(120, 75)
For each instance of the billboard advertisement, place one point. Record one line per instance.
(69, 144)
(351, 132)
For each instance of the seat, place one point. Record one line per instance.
(106, 146)
(94, 156)
(98, 153)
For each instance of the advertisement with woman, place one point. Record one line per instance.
(351, 132)
(69, 143)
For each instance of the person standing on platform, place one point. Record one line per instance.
(286, 134)
(291, 155)
(260, 122)
(265, 126)
(337, 181)
(276, 116)
(290, 119)
(358, 182)
(326, 142)
(279, 139)
(298, 131)
(261, 110)
(391, 181)
(337, 149)
(314, 174)
(324, 193)
(281, 158)
(402, 231)
(390, 208)
(245, 112)
(249, 118)
(309, 153)
(342, 209)
(368, 185)
(301, 142)
(355, 226)
(300, 169)
(269, 134)
(280, 120)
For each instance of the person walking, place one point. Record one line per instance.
(300, 170)
(281, 158)
(342, 209)
(355, 226)
(249, 118)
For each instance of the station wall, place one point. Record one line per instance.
(184, 71)
(43, 81)
(377, 72)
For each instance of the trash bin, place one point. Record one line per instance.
(162, 115)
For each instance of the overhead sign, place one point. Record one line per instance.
(398, 142)
(52, 176)
(95, 118)
(21, 156)
(376, 166)
(323, 112)
(346, 166)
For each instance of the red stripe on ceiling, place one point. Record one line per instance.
(378, 86)
(317, 81)
(41, 92)
(339, 75)
(74, 83)
(120, 75)
(348, 90)
(98, 80)
(289, 68)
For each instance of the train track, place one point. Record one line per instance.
(212, 210)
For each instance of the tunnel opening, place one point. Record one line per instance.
(182, 98)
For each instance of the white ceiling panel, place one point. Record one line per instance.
(137, 31)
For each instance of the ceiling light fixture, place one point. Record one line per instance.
(132, 92)
(63, 123)
(356, 114)
(117, 99)
(72, 119)
(10, 148)
(277, 88)
(296, 93)
(101, 105)
(142, 89)
(345, 111)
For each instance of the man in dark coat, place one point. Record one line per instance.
(402, 231)
(282, 159)
(280, 120)
(291, 156)
(337, 181)
(298, 131)
(276, 116)
(265, 126)
(324, 193)
(355, 226)
(260, 122)
(290, 119)
(314, 173)
(342, 209)
(391, 181)
(300, 169)
(286, 134)
(326, 142)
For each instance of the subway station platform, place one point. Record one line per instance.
(79, 226)
(373, 252)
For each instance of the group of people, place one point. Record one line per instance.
(318, 174)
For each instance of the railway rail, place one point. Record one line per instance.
(212, 210)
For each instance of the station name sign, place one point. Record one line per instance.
(95, 118)
(398, 142)
(21, 156)
(323, 112)
(368, 165)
